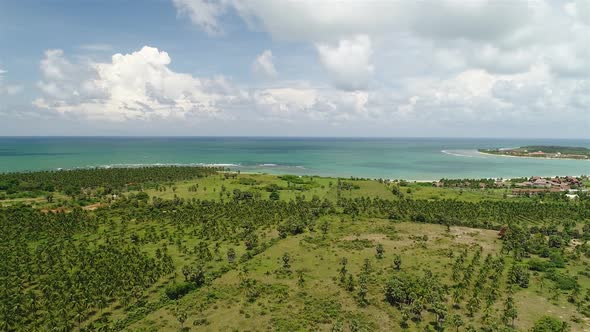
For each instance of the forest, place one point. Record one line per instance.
(206, 249)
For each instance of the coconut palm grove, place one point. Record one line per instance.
(210, 249)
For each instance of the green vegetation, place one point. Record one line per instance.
(543, 151)
(177, 248)
(558, 149)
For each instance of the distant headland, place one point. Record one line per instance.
(542, 151)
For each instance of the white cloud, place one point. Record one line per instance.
(285, 102)
(498, 60)
(333, 19)
(141, 86)
(306, 103)
(579, 9)
(349, 62)
(571, 57)
(496, 35)
(263, 65)
(320, 20)
(477, 20)
(204, 13)
(132, 86)
(476, 98)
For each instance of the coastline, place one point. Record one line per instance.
(524, 157)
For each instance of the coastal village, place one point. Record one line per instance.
(535, 185)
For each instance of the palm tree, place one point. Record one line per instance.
(286, 262)
(379, 250)
(397, 262)
(181, 316)
(510, 312)
(456, 321)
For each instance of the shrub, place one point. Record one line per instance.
(274, 196)
(248, 181)
(292, 226)
(557, 259)
(555, 241)
(562, 281)
(142, 196)
(179, 290)
(549, 324)
(537, 264)
(272, 187)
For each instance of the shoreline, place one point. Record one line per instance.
(525, 157)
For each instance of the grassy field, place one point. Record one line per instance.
(429, 192)
(219, 187)
(321, 303)
(322, 187)
(294, 281)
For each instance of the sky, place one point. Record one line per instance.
(387, 68)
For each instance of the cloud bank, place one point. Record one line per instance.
(382, 67)
(136, 86)
(474, 63)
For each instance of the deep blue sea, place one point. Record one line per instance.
(401, 158)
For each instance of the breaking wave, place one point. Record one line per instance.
(464, 153)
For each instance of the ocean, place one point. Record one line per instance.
(392, 158)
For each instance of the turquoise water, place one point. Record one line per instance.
(407, 158)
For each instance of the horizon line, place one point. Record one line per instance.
(288, 137)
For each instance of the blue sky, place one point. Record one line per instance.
(99, 29)
(295, 68)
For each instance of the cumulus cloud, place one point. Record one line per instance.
(476, 98)
(285, 102)
(141, 86)
(264, 66)
(309, 103)
(500, 36)
(349, 62)
(132, 86)
(472, 101)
